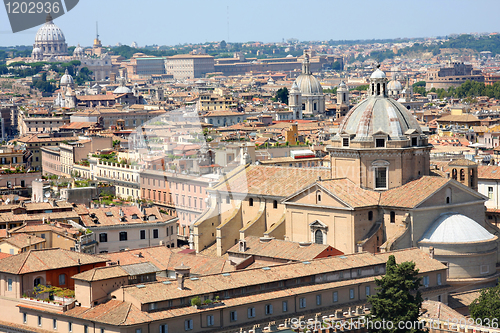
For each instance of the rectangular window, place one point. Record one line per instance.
(425, 281)
(233, 316)
(123, 236)
(351, 293)
(284, 306)
(414, 141)
(269, 309)
(188, 324)
(70, 327)
(138, 330)
(152, 306)
(103, 237)
(439, 279)
(380, 143)
(143, 234)
(164, 328)
(318, 299)
(54, 324)
(25, 318)
(155, 233)
(490, 192)
(210, 320)
(345, 142)
(102, 330)
(302, 302)
(9, 285)
(39, 320)
(251, 312)
(380, 178)
(335, 296)
(367, 290)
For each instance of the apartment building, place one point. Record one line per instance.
(335, 287)
(124, 177)
(35, 142)
(180, 195)
(129, 227)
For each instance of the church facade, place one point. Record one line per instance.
(379, 195)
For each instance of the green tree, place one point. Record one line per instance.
(282, 95)
(397, 299)
(487, 305)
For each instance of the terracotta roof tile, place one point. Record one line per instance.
(46, 259)
(269, 180)
(412, 193)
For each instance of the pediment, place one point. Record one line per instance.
(308, 196)
(318, 224)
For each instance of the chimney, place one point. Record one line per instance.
(122, 214)
(431, 252)
(243, 245)
(181, 272)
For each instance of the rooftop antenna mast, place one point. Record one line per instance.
(228, 24)
(96, 30)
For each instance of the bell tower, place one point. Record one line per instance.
(295, 102)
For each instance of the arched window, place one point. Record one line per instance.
(462, 175)
(37, 281)
(393, 217)
(318, 196)
(454, 174)
(318, 237)
(275, 204)
(471, 177)
(370, 215)
(448, 195)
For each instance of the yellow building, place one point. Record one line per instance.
(21, 243)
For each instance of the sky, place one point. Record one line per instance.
(168, 22)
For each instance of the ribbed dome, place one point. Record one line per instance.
(49, 32)
(378, 74)
(455, 228)
(376, 114)
(36, 50)
(122, 88)
(66, 79)
(394, 85)
(309, 85)
(78, 51)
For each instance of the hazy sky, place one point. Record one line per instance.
(168, 22)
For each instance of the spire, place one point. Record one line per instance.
(96, 30)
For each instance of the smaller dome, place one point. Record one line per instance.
(455, 228)
(309, 85)
(78, 50)
(122, 88)
(36, 50)
(394, 85)
(66, 79)
(378, 74)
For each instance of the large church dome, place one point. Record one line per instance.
(50, 39)
(379, 114)
(308, 84)
(49, 32)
